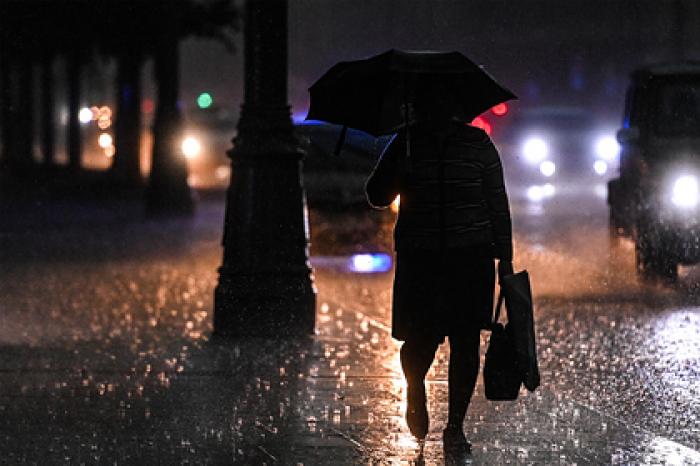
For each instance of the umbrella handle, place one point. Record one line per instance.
(341, 141)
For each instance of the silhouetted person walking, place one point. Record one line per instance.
(454, 220)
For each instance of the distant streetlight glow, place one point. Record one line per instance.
(548, 190)
(222, 172)
(204, 100)
(191, 147)
(686, 192)
(600, 167)
(547, 168)
(538, 193)
(104, 122)
(105, 140)
(85, 115)
(535, 150)
(607, 148)
(535, 193)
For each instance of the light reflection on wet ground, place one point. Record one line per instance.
(105, 353)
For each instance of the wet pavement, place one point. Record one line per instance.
(106, 355)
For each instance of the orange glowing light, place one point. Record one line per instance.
(104, 122)
(395, 204)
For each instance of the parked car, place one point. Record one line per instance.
(656, 198)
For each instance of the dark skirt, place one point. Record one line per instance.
(438, 295)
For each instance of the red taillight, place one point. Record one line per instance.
(500, 109)
(483, 124)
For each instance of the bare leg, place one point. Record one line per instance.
(416, 358)
(462, 374)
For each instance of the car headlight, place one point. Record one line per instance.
(547, 168)
(600, 167)
(191, 147)
(607, 148)
(535, 150)
(685, 191)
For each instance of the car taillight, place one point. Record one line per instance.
(500, 109)
(480, 122)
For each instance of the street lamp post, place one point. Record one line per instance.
(265, 283)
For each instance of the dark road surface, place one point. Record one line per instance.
(105, 355)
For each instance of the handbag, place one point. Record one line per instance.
(516, 291)
(502, 378)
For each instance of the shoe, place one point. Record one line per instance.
(454, 442)
(417, 411)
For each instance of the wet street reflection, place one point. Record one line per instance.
(106, 354)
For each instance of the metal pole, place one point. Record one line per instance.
(265, 283)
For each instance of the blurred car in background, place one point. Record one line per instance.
(331, 181)
(656, 199)
(557, 144)
(206, 137)
(337, 180)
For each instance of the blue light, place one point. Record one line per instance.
(299, 118)
(370, 263)
(302, 121)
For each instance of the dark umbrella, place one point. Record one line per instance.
(372, 94)
(518, 298)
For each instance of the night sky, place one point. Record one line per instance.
(549, 52)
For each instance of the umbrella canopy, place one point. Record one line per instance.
(518, 298)
(371, 94)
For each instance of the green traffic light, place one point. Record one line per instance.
(204, 100)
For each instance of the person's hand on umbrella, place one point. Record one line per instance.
(504, 268)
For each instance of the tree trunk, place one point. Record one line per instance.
(126, 166)
(168, 191)
(47, 115)
(7, 110)
(73, 141)
(25, 117)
